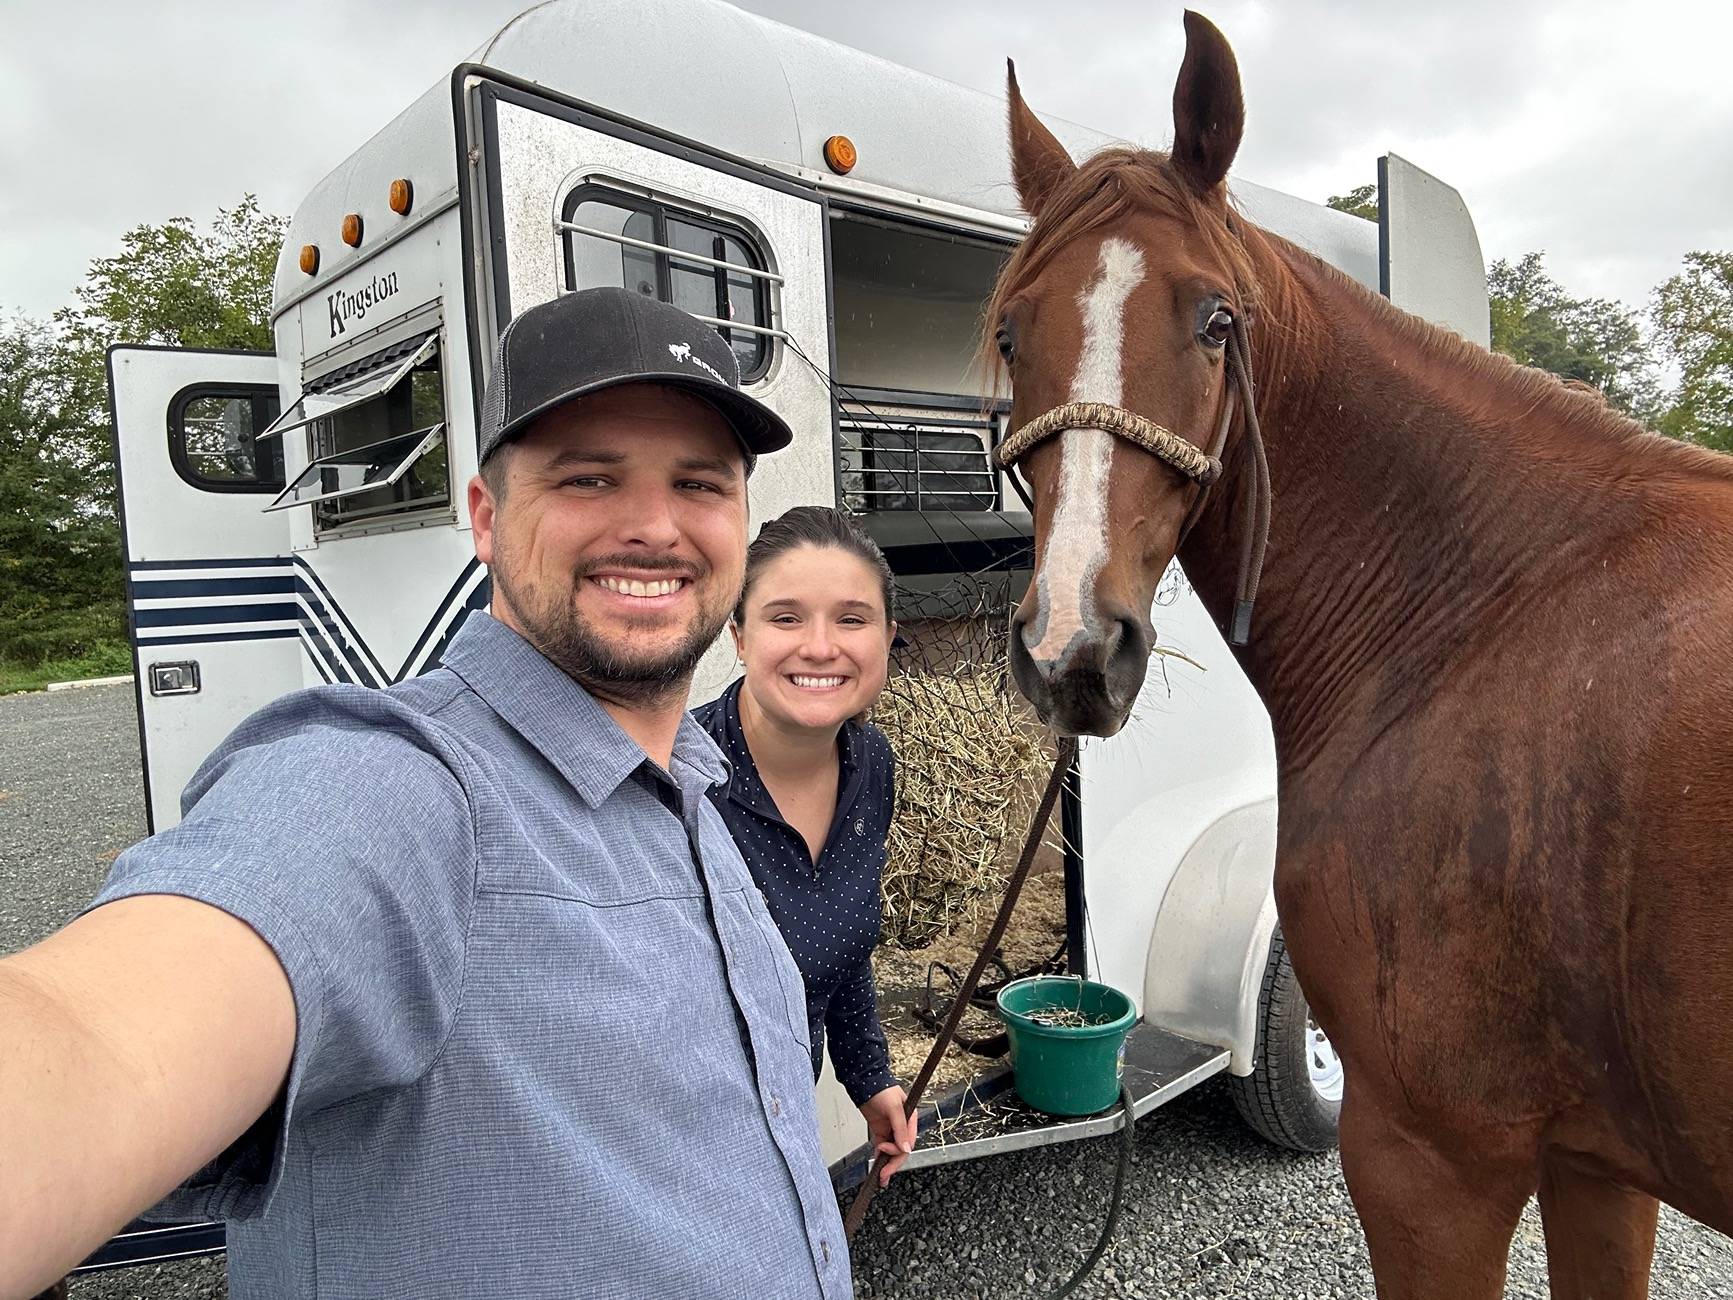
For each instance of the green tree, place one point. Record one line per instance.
(60, 560)
(59, 549)
(1362, 201)
(1594, 340)
(175, 286)
(172, 285)
(1693, 317)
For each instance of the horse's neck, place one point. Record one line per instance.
(1414, 507)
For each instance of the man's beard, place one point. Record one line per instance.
(550, 622)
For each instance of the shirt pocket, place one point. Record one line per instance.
(652, 863)
(782, 962)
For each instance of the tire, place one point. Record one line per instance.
(1292, 1097)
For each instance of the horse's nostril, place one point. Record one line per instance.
(1126, 649)
(1112, 641)
(1024, 638)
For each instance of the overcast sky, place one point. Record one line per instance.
(1598, 130)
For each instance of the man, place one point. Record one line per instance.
(461, 988)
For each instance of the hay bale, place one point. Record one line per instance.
(970, 759)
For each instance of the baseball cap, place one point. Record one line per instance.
(580, 343)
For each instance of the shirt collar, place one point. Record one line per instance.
(747, 787)
(563, 720)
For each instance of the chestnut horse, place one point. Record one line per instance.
(1495, 638)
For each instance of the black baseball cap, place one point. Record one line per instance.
(580, 343)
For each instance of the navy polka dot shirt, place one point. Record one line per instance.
(828, 914)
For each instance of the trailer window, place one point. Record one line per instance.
(213, 438)
(916, 424)
(380, 450)
(896, 457)
(703, 265)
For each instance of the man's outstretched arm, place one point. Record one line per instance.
(135, 1045)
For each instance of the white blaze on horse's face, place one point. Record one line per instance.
(1077, 539)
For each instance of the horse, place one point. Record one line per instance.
(1492, 628)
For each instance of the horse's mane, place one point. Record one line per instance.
(1503, 383)
(1121, 180)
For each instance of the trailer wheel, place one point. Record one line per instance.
(1293, 1095)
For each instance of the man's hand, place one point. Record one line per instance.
(893, 1132)
(135, 1045)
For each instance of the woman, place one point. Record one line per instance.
(809, 801)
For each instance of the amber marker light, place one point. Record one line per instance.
(310, 259)
(402, 196)
(352, 230)
(840, 155)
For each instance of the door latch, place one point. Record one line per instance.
(175, 679)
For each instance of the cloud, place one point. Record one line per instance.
(121, 113)
(1596, 129)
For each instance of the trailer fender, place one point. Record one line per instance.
(1211, 940)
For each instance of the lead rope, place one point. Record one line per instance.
(857, 1211)
(1258, 492)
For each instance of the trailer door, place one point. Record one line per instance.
(1429, 259)
(210, 588)
(576, 200)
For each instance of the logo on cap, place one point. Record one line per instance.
(683, 352)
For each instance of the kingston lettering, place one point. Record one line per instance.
(353, 307)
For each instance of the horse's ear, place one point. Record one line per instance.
(1038, 161)
(1209, 114)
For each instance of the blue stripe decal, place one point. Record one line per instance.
(478, 599)
(264, 562)
(334, 655)
(189, 615)
(213, 638)
(326, 659)
(444, 636)
(333, 608)
(330, 640)
(319, 621)
(192, 588)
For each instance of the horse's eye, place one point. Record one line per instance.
(1218, 326)
(1007, 344)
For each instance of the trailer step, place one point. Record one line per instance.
(992, 1119)
(148, 1243)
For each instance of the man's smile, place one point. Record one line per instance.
(640, 588)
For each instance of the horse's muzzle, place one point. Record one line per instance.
(1088, 690)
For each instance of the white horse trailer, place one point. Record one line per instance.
(297, 517)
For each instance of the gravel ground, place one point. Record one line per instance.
(1210, 1211)
(71, 798)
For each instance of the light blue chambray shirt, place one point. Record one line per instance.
(549, 1042)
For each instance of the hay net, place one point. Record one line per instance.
(970, 756)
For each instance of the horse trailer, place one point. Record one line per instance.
(296, 517)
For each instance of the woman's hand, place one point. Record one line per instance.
(893, 1133)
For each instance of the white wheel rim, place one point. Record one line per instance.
(1322, 1063)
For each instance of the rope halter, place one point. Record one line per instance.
(1200, 466)
(1163, 444)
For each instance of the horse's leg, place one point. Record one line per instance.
(1600, 1235)
(1438, 1227)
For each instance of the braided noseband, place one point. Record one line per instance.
(1161, 443)
(1186, 457)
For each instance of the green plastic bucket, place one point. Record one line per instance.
(1064, 1069)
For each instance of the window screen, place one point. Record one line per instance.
(897, 459)
(380, 450)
